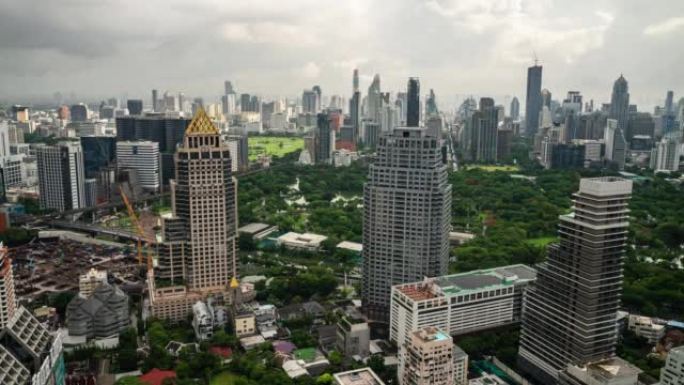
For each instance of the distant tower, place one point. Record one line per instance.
(619, 103)
(155, 100)
(669, 107)
(355, 81)
(413, 103)
(515, 109)
(533, 102)
(546, 98)
(374, 100)
(135, 106)
(569, 313)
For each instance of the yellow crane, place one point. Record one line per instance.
(139, 230)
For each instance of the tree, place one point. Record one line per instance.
(324, 379)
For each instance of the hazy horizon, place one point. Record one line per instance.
(107, 48)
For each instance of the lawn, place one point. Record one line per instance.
(506, 168)
(541, 242)
(224, 378)
(274, 146)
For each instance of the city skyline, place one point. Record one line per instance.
(581, 46)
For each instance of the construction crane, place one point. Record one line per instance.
(139, 229)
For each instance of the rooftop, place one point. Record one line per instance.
(612, 368)
(472, 281)
(363, 376)
(253, 228)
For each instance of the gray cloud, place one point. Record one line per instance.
(97, 48)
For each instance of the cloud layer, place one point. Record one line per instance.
(274, 47)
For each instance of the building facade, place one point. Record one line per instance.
(198, 248)
(61, 177)
(407, 216)
(569, 312)
(460, 303)
(431, 358)
(673, 372)
(144, 158)
(533, 102)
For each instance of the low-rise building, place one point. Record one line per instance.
(88, 282)
(202, 321)
(353, 334)
(646, 327)
(103, 314)
(363, 376)
(612, 371)
(460, 303)
(244, 323)
(257, 231)
(306, 241)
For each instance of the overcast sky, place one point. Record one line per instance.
(100, 48)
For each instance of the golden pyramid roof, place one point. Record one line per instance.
(201, 124)
(234, 283)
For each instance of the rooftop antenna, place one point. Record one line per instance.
(536, 59)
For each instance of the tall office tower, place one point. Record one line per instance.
(355, 80)
(355, 113)
(228, 104)
(199, 241)
(430, 357)
(413, 103)
(319, 94)
(515, 109)
(407, 215)
(228, 87)
(155, 100)
(61, 176)
(616, 144)
(575, 97)
(569, 313)
(181, 102)
(79, 112)
(546, 98)
(245, 102)
(665, 155)
(238, 152)
(669, 103)
(324, 139)
(8, 301)
(143, 157)
(673, 372)
(533, 102)
(431, 105)
(484, 132)
(640, 123)
(374, 99)
(310, 102)
(135, 106)
(619, 103)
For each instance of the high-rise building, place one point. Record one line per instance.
(515, 109)
(8, 301)
(355, 81)
(430, 357)
(79, 112)
(669, 103)
(431, 105)
(546, 97)
(619, 103)
(533, 102)
(355, 113)
(324, 139)
(413, 103)
(569, 312)
(135, 106)
(484, 136)
(61, 176)
(374, 100)
(198, 249)
(665, 155)
(407, 216)
(616, 144)
(98, 152)
(241, 144)
(155, 100)
(640, 123)
(310, 102)
(143, 157)
(673, 372)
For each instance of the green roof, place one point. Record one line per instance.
(305, 354)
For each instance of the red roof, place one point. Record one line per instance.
(156, 376)
(221, 351)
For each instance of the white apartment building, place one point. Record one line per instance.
(430, 357)
(143, 157)
(459, 303)
(673, 372)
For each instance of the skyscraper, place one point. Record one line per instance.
(619, 103)
(374, 99)
(155, 100)
(616, 144)
(199, 241)
(310, 102)
(569, 313)
(669, 103)
(485, 131)
(406, 218)
(324, 139)
(144, 158)
(533, 102)
(413, 103)
(135, 106)
(515, 109)
(61, 176)
(673, 372)
(355, 80)
(79, 112)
